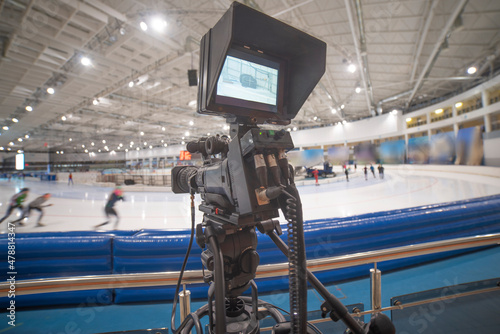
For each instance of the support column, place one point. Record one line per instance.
(487, 123)
(485, 98)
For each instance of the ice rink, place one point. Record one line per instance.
(81, 206)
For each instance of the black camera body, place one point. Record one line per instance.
(233, 188)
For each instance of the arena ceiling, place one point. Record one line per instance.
(404, 54)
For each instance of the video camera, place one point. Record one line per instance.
(254, 70)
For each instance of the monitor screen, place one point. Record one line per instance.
(245, 80)
(249, 81)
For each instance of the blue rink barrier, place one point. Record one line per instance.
(41, 255)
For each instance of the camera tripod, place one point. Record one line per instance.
(230, 248)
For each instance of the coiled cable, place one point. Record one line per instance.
(297, 319)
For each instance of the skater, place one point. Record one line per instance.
(347, 174)
(366, 172)
(70, 178)
(380, 171)
(315, 173)
(373, 170)
(116, 195)
(16, 202)
(37, 206)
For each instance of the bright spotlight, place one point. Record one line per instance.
(158, 24)
(472, 70)
(144, 26)
(85, 61)
(351, 68)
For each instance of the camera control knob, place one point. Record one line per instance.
(249, 261)
(279, 134)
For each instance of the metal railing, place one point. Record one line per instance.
(78, 283)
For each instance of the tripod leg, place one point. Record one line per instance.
(340, 310)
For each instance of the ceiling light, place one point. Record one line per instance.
(137, 148)
(63, 118)
(20, 151)
(92, 143)
(26, 136)
(120, 144)
(192, 103)
(131, 84)
(143, 26)
(104, 141)
(71, 139)
(186, 133)
(182, 142)
(145, 143)
(438, 111)
(29, 108)
(83, 146)
(2, 148)
(408, 119)
(351, 68)
(208, 133)
(50, 90)
(126, 150)
(5, 128)
(394, 112)
(11, 143)
(334, 111)
(142, 133)
(344, 122)
(191, 123)
(122, 31)
(472, 70)
(85, 61)
(95, 102)
(162, 128)
(342, 106)
(132, 143)
(358, 90)
(86, 151)
(165, 144)
(19, 139)
(150, 147)
(15, 120)
(458, 104)
(289, 129)
(294, 128)
(158, 24)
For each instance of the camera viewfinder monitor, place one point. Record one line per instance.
(256, 69)
(249, 82)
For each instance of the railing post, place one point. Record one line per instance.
(376, 288)
(185, 302)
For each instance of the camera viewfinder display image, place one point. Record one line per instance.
(245, 80)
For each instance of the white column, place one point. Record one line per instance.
(487, 123)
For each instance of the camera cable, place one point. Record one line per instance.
(179, 281)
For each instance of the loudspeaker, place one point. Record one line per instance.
(192, 78)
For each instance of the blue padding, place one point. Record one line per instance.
(323, 238)
(64, 256)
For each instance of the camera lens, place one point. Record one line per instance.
(181, 177)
